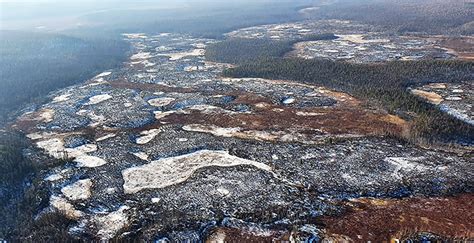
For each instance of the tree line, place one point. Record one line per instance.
(243, 50)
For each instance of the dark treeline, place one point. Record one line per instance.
(33, 64)
(384, 85)
(241, 50)
(428, 16)
(22, 196)
(238, 50)
(14, 169)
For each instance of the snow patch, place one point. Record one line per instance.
(53, 177)
(181, 55)
(302, 113)
(141, 155)
(135, 35)
(81, 150)
(98, 99)
(65, 207)
(288, 101)
(209, 109)
(104, 74)
(173, 170)
(110, 224)
(46, 115)
(405, 164)
(161, 114)
(79, 190)
(214, 130)
(224, 192)
(453, 98)
(147, 136)
(54, 147)
(141, 55)
(159, 102)
(89, 161)
(107, 136)
(61, 98)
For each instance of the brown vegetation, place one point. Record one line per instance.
(462, 47)
(382, 220)
(337, 120)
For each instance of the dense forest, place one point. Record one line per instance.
(33, 64)
(384, 84)
(14, 168)
(402, 16)
(22, 196)
(238, 51)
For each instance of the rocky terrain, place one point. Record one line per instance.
(166, 149)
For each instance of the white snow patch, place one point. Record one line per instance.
(89, 161)
(309, 156)
(79, 190)
(161, 114)
(53, 177)
(135, 35)
(45, 115)
(110, 224)
(98, 99)
(104, 74)
(302, 113)
(141, 55)
(111, 190)
(180, 55)
(107, 136)
(214, 130)
(81, 150)
(224, 192)
(210, 109)
(66, 208)
(61, 98)
(199, 45)
(159, 102)
(288, 101)
(405, 164)
(173, 170)
(360, 39)
(453, 98)
(147, 136)
(141, 155)
(96, 120)
(54, 147)
(34, 136)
